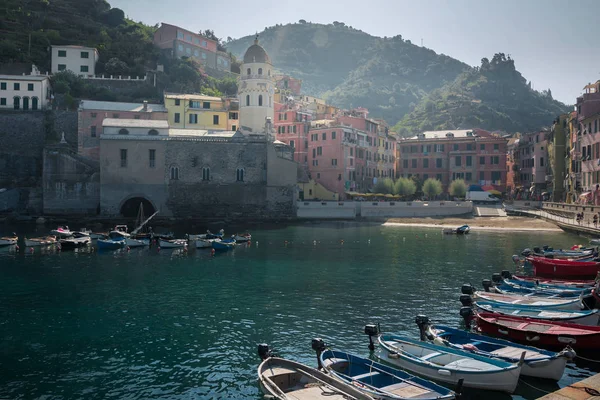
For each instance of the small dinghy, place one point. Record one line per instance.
(461, 230)
(110, 244)
(508, 288)
(553, 268)
(447, 364)
(225, 244)
(537, 363)
(172, 244)
(543, 282)
(205, 243)
(61, 232)
(377, 380)
(554, 335)
(131, 242)
(243, 238)
(581, 317)
(9, 240)
(286, 380)
(41, 241)
(77, 240)
(531, 301)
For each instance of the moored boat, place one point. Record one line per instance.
(110, 244)
(204, 243)
(41, 241)
(535, 281)
(546, 251)
(243, 238)
(540, 333)
(581, 317)
(461, 230)
(531, 301)
(98, 235)
(9, 240)
(285, 380)
(447, 364)
(225, 244)
(508, 287)
(172, 244)
(61, 232)
(537, 362)
(75, 241)
(131, 242)
(553, 268)
(378, 380)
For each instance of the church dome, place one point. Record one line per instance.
(256, 54)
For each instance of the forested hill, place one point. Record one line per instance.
(494, 96)
(352, 68)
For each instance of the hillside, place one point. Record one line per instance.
(494, 96)
(350, 68)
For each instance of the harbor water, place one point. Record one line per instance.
(169, 324)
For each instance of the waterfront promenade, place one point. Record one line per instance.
(565, 221)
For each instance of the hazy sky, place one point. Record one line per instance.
(555, 43)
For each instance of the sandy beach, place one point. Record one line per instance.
(479, 223)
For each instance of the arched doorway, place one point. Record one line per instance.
(25, 103)
(34, 103)
(131, 207)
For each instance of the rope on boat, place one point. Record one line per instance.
(535, 387)
(587, 359)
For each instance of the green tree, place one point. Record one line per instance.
(458, 188)
(384, 186)
(116, 67)
(432, 188)
(405, 187)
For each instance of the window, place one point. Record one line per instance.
(496, 176)
(248, 99)
(215, 120)
(177, 118)
(30, 87)
(352, 162)
(206, 174)
(194, 104)
(239, 175)
(541, 161)
(233, 115)
(497, 146)
(123, 158)
(62, 67)
(319, 151)
(414, 163)
(3, 101)
(324, 135)
(94, 115)
(188, 50)
(468, 176)
(16, 102)
(17, 86)
(123, 131)
(482, 175)
(306, 144)
(248, 71)
(193, 118)
(174, 173)
(116, 116)
(481, 160)
(180, 47)
(62, 53)
(458, 161)
(179, 35)
(83, 68)
(204, 43)
(426, 163)
(260, 100)
(455, 147)
(438, 163)
(469, 161)
(315, 163)
(260, 71)
(405, 163)
(206, 105)
(153, 132)
(334, 161)
(333, 135)
(495, 160)
(234, 128)
(177, 102)
(292, 143)
(469, 146)
(3, 86)
(152, 157)
(93, 130)
(85, 54)
(314, 152)
(196, 53)
(482, 147)
(136, 117)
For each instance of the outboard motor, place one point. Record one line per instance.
(466, 300)
(496, 278)
(545, 247)
(467, 288)
(506, 273)
(589, 302)
(318, 345)
(526, 252)
(372, 330)
(422, 322)
(264, 351)
(467, 314)
(537, 250)
(487, 284)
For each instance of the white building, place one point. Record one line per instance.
(78, 59)
(24, 92)
(256, 89)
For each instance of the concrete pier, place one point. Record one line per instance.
(583, 390)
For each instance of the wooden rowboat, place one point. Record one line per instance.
(553, 268)
(581, 317)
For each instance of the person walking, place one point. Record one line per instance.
(595, 220)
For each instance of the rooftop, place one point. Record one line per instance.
(24, 77)
(115, 106)
(256, 54)
(135, 123)
(201, 133)
(74, 47)
(192, 97)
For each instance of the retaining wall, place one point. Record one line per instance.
(350, 210)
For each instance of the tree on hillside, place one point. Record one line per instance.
(458, 188)
(116, 67)
(432, 188)
(405, 187)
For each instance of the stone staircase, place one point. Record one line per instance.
(488, 210)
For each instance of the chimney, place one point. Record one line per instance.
(145, 108)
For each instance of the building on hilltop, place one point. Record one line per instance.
(191, 111)
(288, 86)
(177, 42)
(25, 92)
(78, 59)
(474, 155)
(91, 114)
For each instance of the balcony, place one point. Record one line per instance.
(255, 76)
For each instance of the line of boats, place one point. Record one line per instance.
(516, 326)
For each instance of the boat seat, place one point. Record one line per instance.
(430, 355)
(408, 391)
(367, 375)
(330, 361)
(476, 343)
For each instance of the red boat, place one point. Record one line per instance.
(539, 333)
(553, 268)
(575, 283)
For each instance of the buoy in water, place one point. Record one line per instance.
(212, 251)
(31, 250)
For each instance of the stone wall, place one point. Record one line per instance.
(367, 209)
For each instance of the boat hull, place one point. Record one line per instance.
(108, 244)
(204, 243)
(8, 241)
(174, 244)
(137, 242)
(39, 242)
(552, 268)
(582, 317)
(554, 282)
(529, 301)
(223, 245)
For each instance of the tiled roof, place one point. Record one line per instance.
(115, 106)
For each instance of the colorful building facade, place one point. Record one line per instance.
(190, 111)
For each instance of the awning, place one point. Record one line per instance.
(495, 192)
(585, 194)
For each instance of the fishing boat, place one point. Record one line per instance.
(537, 363)
(461, 230)
(533, 281)
(40, 241)
(243, 238)
(140, 236)
(205, 243)
(553, 268)
(77, 240)
(61, 232)
(286, 380)
(172, 244)
(545, 291)
(131, 242)
(546, 251)
(447, 364)
(9, 240)
(378, 380)
(541, 333)
(469, 293)
(225, 244)
(110, 244)
(581, 317)
(207, 235)
(119, 231)
(98, 235)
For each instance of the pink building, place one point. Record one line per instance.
(291, 127)
(91, 114)
(474, 155)
(287, 84)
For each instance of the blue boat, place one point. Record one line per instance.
(378, 380)
(506, 288)
(110, 244)
(581, 317)
(225, 244)
(537, 363)
(507, 278)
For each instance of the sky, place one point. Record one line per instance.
(555, 43)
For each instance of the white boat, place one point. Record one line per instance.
(9, 240)
(205, 243)
(449, 365)
(172, 244)
(61, 232)
(207, 235)
(41, 241)
(243, 238)
(539, 302)
(119, 231)
(286, 380)
(137, 242)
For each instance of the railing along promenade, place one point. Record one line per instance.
(564, 216)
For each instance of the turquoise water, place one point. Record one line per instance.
(148, 324)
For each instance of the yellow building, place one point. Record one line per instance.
(191, 111)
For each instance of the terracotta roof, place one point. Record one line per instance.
(256, 54)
